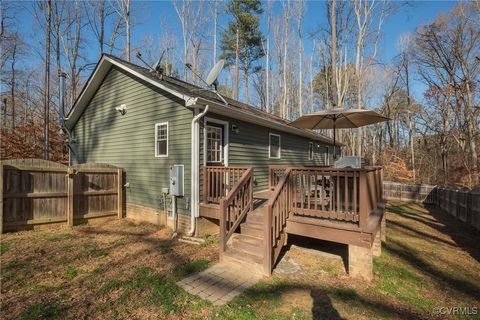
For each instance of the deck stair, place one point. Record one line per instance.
(247, 247)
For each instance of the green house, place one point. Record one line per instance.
(152, 125)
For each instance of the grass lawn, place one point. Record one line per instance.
(122, 270)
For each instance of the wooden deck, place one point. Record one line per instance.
(338, 205)
(212, 210)
(318, 228)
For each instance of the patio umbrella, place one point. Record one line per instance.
(338, 118)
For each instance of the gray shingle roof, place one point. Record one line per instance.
(193, 90)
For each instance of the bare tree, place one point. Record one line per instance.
(445, 53)
(43, 13)
(97, 13)
(299, 11)
(71, 39)
(123, 9)
(189, 13)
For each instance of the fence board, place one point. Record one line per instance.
(464, 204)
(35, 191)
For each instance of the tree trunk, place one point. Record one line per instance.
(410, 122)
(215, 22)
(285, 86)
(127, 27)
(333, 31)
(236, 63)
(14, 54)
(300, 72)
(46, 100)
(102, 27)
(245, 75)
(267, 103)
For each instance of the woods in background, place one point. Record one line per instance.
(273, 62)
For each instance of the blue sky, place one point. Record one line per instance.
(408, 17)
(405, 20)
(150, 13)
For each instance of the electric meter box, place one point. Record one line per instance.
(176, 180)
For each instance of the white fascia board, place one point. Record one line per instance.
(251, 118)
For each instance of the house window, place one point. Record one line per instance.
(310, 151)
(214, 144)
(325, 151)
(161, 139)
(274, 150)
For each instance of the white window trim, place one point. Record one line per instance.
(226, 129)
(312, 156)
(156, 138)
(279, 145)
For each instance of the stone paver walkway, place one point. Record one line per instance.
(220, 283)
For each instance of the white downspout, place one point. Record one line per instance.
(195, 149)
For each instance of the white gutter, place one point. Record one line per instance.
(195, 188)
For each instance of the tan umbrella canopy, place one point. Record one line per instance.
(338, 118)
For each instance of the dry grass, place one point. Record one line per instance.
(125, 271)
(110, 271)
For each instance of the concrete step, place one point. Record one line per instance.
(248, 244)
(252, 229)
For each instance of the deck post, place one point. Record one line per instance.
(251, 192)
(223, 227)
(360, 264)
(377, 244)
(363, 200)
(267, 241)
(205, 185)
(383, 228)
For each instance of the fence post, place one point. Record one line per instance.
(1, 198)
(120, 193)
(70, 180)
(362, 223)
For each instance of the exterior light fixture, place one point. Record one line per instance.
(122, 109)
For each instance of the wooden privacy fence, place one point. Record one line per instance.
(464, 204)
(423, 193)
(38, 192)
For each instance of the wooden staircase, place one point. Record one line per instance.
(247, 247)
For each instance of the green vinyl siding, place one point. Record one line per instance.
(103, 135)
(249, 148)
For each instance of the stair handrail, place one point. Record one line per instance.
(243, 189)
(269, 226)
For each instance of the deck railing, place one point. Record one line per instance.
(336, 194)
(218, 181)
(234, 207)
(275, 173)
(344, 195)
(277, 211)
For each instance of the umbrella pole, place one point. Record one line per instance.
(334, 144)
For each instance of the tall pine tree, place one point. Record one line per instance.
(242, 40)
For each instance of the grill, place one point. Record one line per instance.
(349, 162)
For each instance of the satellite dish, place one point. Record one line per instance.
(215, 72)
